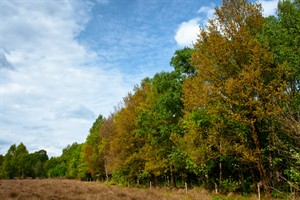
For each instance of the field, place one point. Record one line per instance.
(74, 189)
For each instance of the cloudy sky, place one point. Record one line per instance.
(64, 62)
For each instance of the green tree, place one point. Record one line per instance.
(9, 165)
(181, 62)
(22, 160)
(16, 162)
(74, 160)
(37, 162)
(282, 34)
(9, 168)
(55, 167)
(159, 122)
(1, 167)
(91, 156)
(82, 165)
(65, 165)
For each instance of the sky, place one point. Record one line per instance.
(65, 62)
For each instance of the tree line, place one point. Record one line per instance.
(19, 163)
(226, 117)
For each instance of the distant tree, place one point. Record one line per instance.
(106, 131)
(55, 167)
(93, 161)
(37, 162)
(21, 159)
(74, 160)
(16, 162)
(2, 175)
(181, 62)
(9, 165)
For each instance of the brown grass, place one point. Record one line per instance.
(74, 189)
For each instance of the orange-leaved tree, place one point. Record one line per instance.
(124, 145)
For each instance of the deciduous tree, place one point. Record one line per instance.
(237, 84)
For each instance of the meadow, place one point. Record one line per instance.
(74, 189)
(70, 189)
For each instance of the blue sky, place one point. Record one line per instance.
(64, 62)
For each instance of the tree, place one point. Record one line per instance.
(55, 167)
(66, 165)
(93, 161)
(16, 162)
(1, 167)
(125, 162)
(289, 20)
(106, 131)
(282, 34)
(37, 162)
(237, 84)
(181, 62)
(9, 168)
(159, 123)
(74, 160)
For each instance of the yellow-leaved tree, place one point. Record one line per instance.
(237, 85)
(124, 161)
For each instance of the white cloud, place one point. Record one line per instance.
(56, 86)
(187, 33)
(269, 7)
(207, 11)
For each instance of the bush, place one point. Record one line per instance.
(228, 185)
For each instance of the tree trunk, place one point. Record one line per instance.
(173, 177)
(154, 180)
(271, 180)
(220, 171)
(262, 171)
(106, 171)
(220, 164)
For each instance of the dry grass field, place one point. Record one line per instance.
(74, 189)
